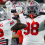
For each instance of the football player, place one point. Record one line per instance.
(14, 14)
(6, 26)
(34, 33)
(19, 32)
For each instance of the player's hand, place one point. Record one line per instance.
(8, 4)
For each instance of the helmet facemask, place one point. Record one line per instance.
(32, 9)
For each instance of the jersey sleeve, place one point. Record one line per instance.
(12, 23)
(19, 32)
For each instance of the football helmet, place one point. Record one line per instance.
(21, 4)
(14, 12)
(3, 14)
(33, 8)
(13, 9)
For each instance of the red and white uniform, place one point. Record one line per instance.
(34, 32)
(5, 31)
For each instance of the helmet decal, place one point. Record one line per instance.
(31, 3)
(14, 6)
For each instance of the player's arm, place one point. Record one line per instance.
(22, 23)
(18, 26)
(17, 35)
(8, 5)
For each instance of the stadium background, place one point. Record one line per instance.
(2, 2)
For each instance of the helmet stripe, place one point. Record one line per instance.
(14, 6)
(19, 3)
(31, 2)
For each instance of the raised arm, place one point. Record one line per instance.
(20, 12)
(8, 6)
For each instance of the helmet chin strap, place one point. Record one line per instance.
(32, 18)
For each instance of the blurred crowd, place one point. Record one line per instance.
(14, 1)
